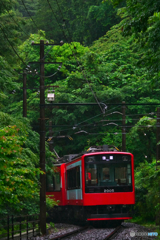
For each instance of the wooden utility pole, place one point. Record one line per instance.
(123, 128)
(158, 158)
(42, 135)
(42, 144)
(24, 94)
(158, 137)
(50, 135)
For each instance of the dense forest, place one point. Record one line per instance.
(110, 53)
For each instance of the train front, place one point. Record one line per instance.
(108, 185)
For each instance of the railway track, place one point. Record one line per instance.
(62, 236)
(81, 230)
(113, 233)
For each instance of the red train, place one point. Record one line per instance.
(96, 185)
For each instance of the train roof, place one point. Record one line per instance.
(71, 157)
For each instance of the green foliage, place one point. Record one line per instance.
(7, 81)
(110, 67)
(142, 19)
(19, 184)
(31, 5)
(114, 138)
(10, 31)
(50, 202)
(82, 21)
(19, 161)
(147, 177)
(120, 66)
(141, 140)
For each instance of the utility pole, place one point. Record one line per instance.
(42, 144)
(50, 135)
(123, 128)
(24, 94)
(42, 135)
(158, 157)
(158, 138)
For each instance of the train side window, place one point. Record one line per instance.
(73, 178)
(77, 177)
(57, 181)
(129, 173)
(49, 183)
(53, 182)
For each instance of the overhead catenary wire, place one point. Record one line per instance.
(82, 131)
(61, 13)
(119, 126)
(95, 124)
(77, 125)
(96, 116)
(74, 127)
(108, 104)
(115, 133)
(152, 113)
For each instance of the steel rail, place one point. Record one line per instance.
(69, 233)
(113, 232)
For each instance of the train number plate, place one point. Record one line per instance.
(108, 190)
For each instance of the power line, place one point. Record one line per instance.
(14, 20)
(96, 116)
(152, 113)
(108, 104)
(50, 50)
(23, 51)
(11, 45)
(29, 14)
(77, 125)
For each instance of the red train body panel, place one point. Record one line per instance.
(99, 184)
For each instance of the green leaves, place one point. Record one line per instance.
(147, 177)
(142, 18)
(81, 21)
(18, 174)
(19, 166)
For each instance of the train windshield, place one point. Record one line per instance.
(108, 170)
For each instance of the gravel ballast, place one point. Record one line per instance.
(127, 232)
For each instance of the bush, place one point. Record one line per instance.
(147, 178)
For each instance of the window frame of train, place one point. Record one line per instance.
(73, 178)
(104, 161)
(55, 180)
